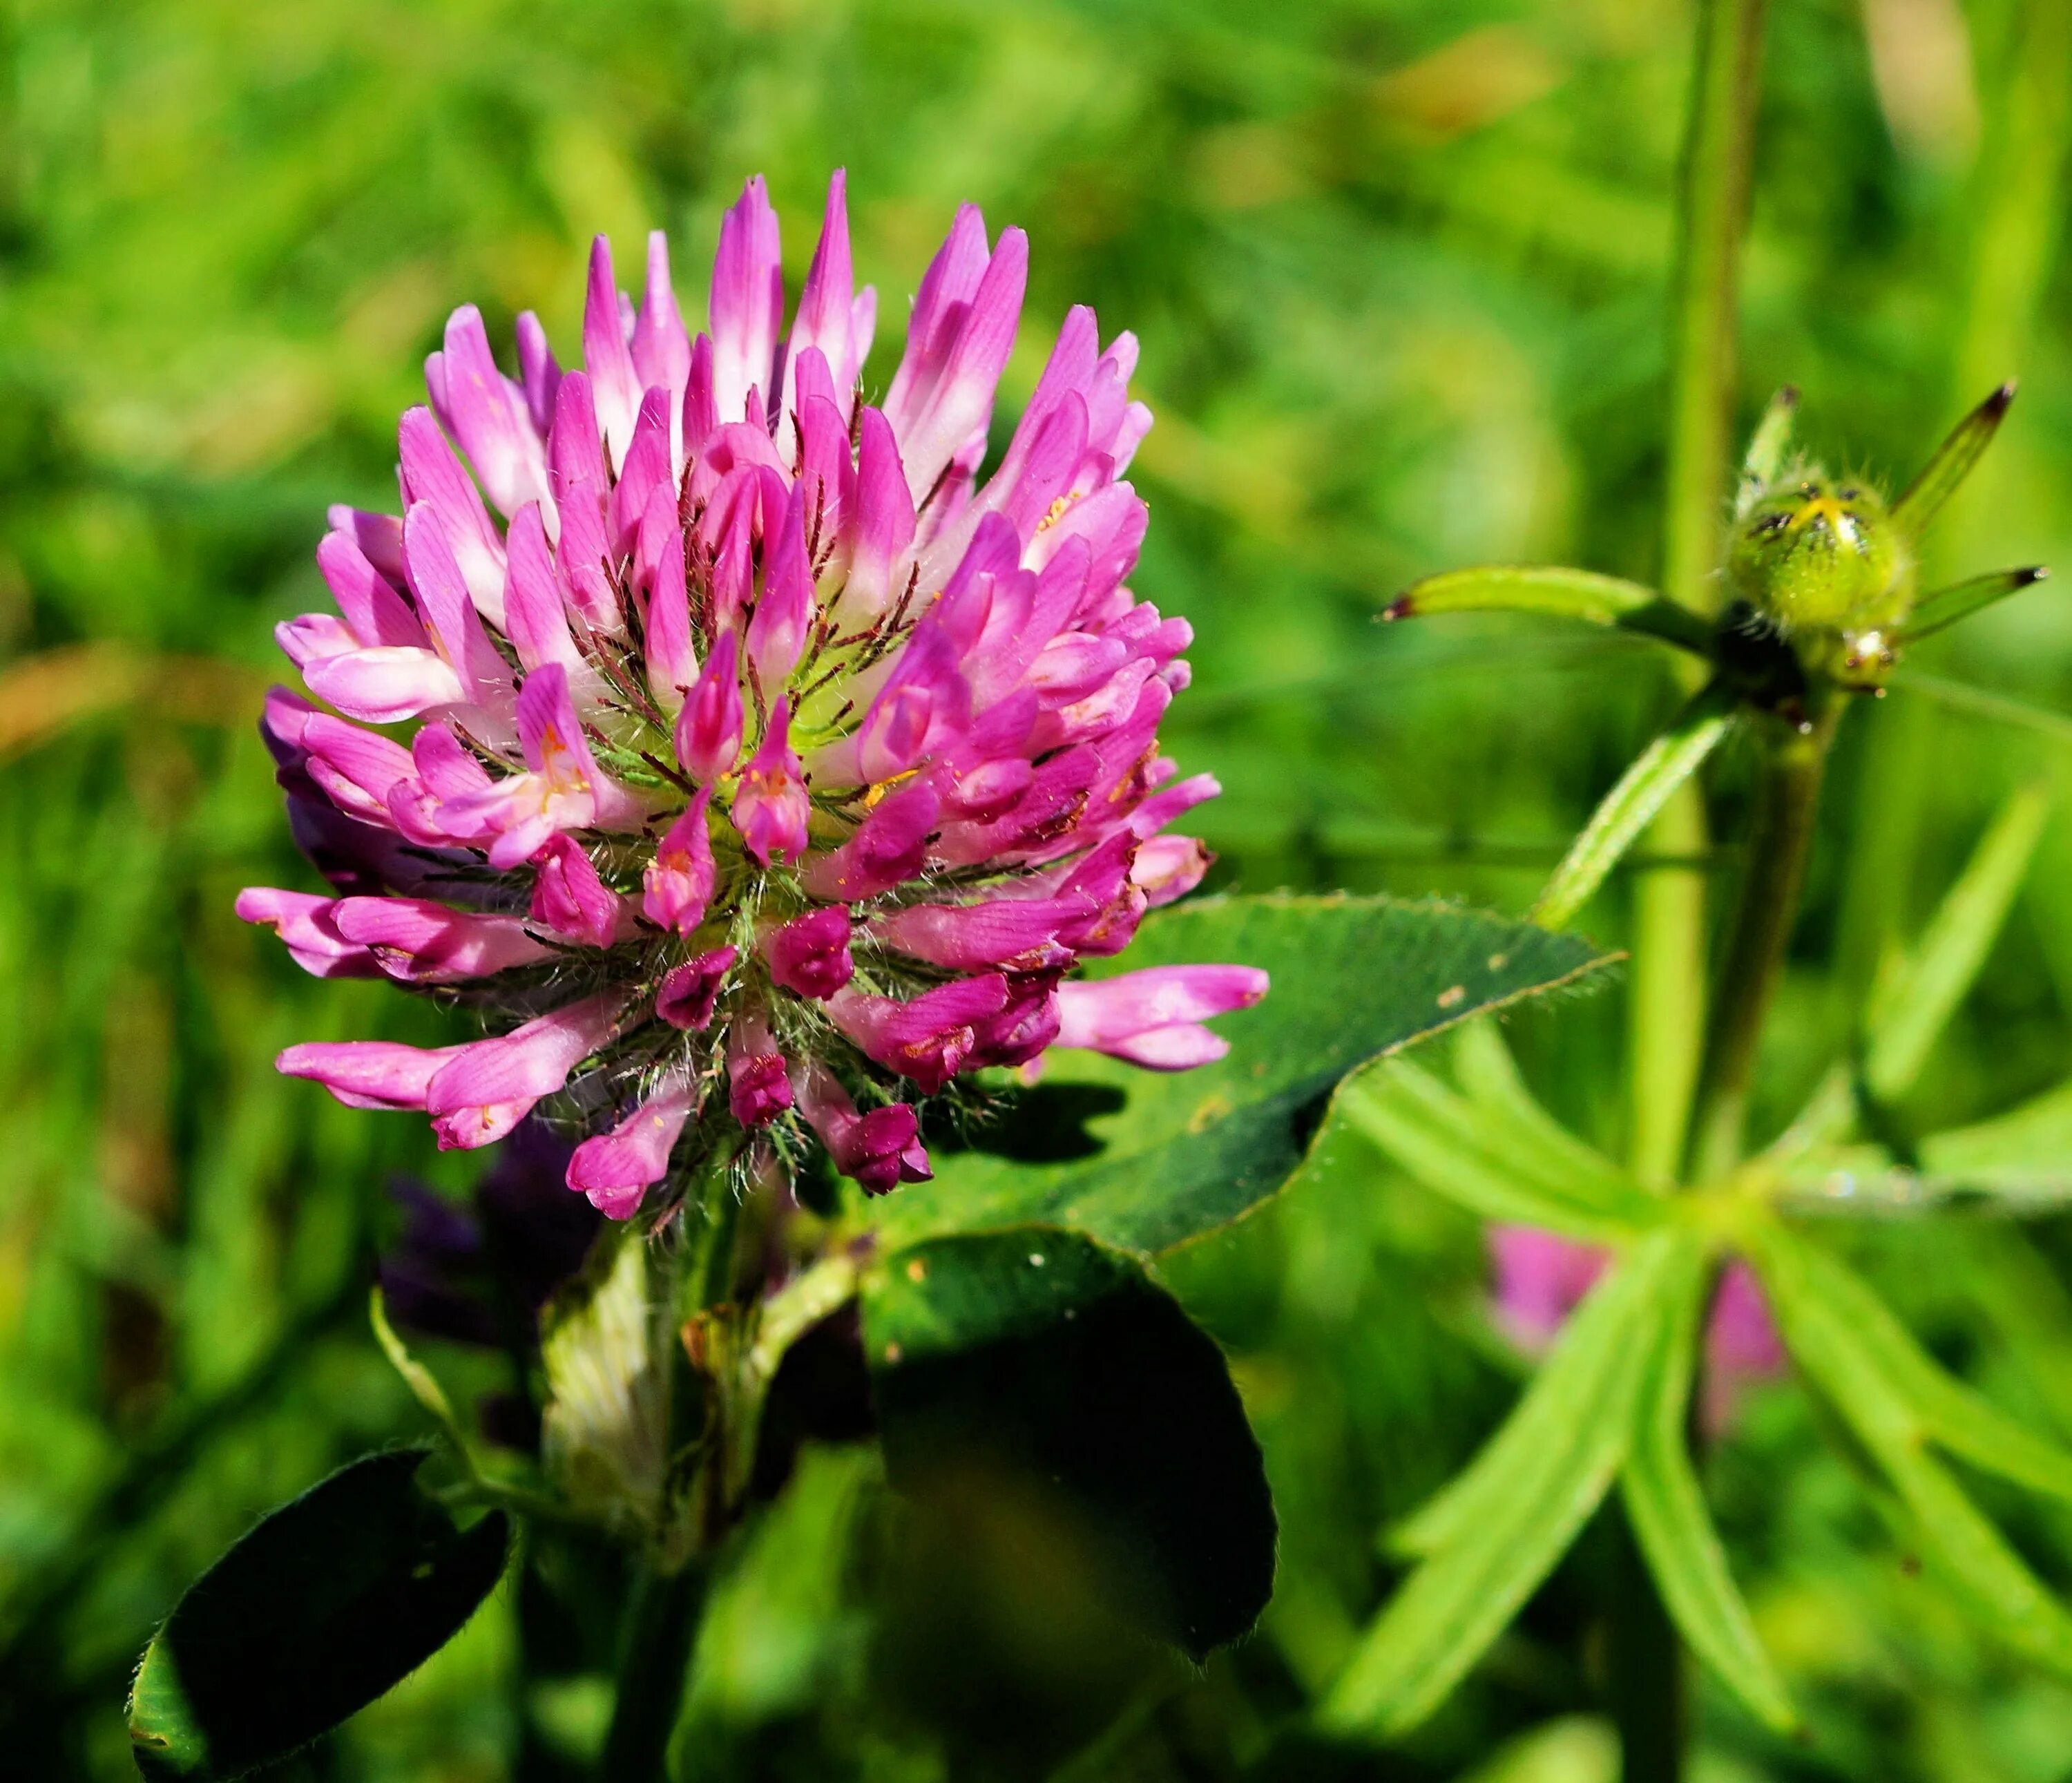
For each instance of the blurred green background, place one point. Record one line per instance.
(1398, 267)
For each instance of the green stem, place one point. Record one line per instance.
(1787, 799)
(1665, 1004)
(1649, 1692)
(1666, 1009)
(661, 1628)
(1713, 204)
(662, 1617)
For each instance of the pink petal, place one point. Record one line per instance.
(613, 1168)
(433, 477)
(679, 881)
(689, 991)
(810, 955)
(709, 729)
(377, 1074)
(771, 807)
(607, 359)
(482, 411)
(418, 941)
(747, 306)
(304, 924)
(487, 1088)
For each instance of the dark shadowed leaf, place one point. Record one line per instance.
(1037, 1355)
(326, 1605)
(1188, 1152)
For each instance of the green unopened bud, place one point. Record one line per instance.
(1821, 556)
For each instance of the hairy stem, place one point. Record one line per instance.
(661, 1627)
(1787, 798)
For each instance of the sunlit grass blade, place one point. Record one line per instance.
(1911, 1008)
(1631, 805)
(1667, 1509)
(1940, 610)
(1487, 1165)
(1922, 498)
(1894, 1394)
(1560, 593)
(1766, 448)
(1496, 1532)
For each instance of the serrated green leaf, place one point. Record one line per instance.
(1913, 1006)
(1485, 1163)
(1941, 476)
(1631, 805)
(1056, 1363)
(1559, 593)
(1667, 1508)
(1845, 1336)
(321, 1608)
(1165, 1158)
(1493, 1535)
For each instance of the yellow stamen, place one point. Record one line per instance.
(1827, 508)
(1058, 512)
(878, 790)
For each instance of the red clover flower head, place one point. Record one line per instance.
(767, 767)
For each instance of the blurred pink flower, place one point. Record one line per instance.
(768, 766)
(1541, 1278)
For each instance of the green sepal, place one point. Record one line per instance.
(1763, 461)
(1941, 476)
(1943, 608)
(1559, 593)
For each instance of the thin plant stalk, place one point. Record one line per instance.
(1667, 1017)
(1787, 799)
(1667, 996)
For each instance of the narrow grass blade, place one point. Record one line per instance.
(1667, 1509)
(1895, 1393)
(1911, 1008)
(1489, 1077)
(1897, 1402)
(1631, 805)
(1767, 445)
(1923, 498)
(1502, 1527)
(1940, 610)
(1443, 1140)
(1559, 593)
